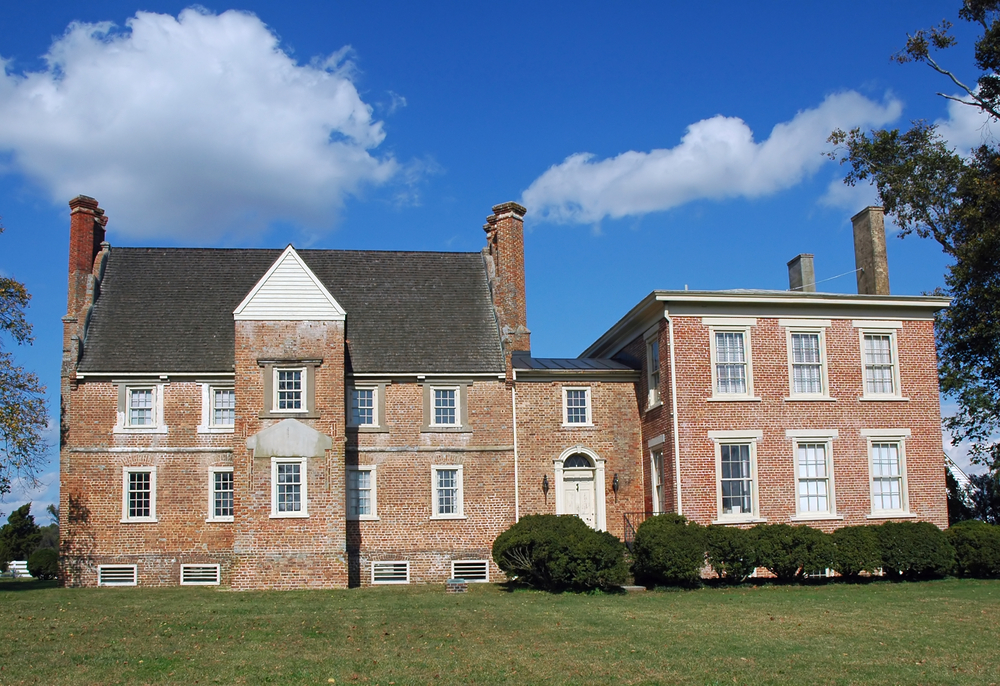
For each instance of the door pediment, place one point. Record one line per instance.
(289, 438)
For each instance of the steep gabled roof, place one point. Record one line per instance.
(171, 309)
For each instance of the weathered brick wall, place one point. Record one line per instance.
(91, 489)
(289, 552)
(615, 436)
(773, 415)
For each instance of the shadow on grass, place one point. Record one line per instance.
(521, 587)
(10, 585)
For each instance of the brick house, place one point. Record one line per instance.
(329, 418)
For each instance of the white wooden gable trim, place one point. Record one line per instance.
(289, 291)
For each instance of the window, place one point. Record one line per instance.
(289, 390)
(223, 407)
(288, 487)
(736, 470)
(807, 353)
(879, 355)
(140, 408)
(658, 493)
(364, 408)
(576, 407)
(361, 501)
(445, 406)
(732, 368)
(446, 492)
(139, 494)
(887, 477)
(220, 495)
(813, 475)
(653, 370)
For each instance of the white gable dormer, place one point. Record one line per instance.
(289, 291)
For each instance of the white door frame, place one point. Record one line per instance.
(600, 515)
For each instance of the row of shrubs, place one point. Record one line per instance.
(669, 550)
(555, 553)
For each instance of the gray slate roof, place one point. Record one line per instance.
(524, 362)
(171, 309)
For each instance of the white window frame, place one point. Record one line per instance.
(304, 391)
(738, 437)
(457, 390)
(377, 563)
(124, 425)
(820, 333)
(823, 437)
(303, 487)
(486, 566)
(890, 329)
(731, 325)
(888, 436)
(565, 407)
(208, 425)
(211, 582)
(126, 471)
(460, 496)
(212, 517)
(653, 367)
(376, 420)
(659, 500)
(371, 469)
(117, 569)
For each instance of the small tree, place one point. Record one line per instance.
(20, 536)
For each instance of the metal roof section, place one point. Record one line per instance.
(527, 366)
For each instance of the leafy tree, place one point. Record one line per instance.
(934, 191)
(983, 493)
(19, 537)
(958, 507)
(23, 416)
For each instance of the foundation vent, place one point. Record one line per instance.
(200, 575)
(470, 570)
(391, 572)
(117, 575)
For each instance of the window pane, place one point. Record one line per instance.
(730, 368)
(359, 493)
(224, 407)
(363, 406)
(813, 478)
(447, 491)
(223, 494)
(289, 487)
(444, 406)
(576, 406)
(737, 485)
(878, 364)
(807, 367)
(139, 494)
(140, 405)
(887, 480)
(289, 389)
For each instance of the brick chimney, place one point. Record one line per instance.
(801, 276)
(86, 242)
(504, 254)
(869, 251)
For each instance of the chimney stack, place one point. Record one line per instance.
(869, 251)
(801, 276)
(504, 254)
(86, 233)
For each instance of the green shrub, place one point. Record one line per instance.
(915, 550)
(856, 549)
(44, 564)
(977, 548)
(669, 551)
(559, 552)
(732, 552)
(789, 552)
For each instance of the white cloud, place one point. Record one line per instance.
(965, 127)
(716, 158)
(192, 126)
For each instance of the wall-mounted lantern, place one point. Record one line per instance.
(615, 485)
(545, 484)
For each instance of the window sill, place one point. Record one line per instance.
(142, 520)
(741, 520)
(304, 414)
(589, 425)
(369, 429)
(810, 399)
(364, 518)
(289, 515)
(653, 406)
(219, 520)
(216, 429)
(446, 430)
(892, 515)
(140, 430)
(817, 518)
(734, 399)
(440, 518)
(883, 399)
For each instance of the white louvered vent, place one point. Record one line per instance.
(199, 575)
(470, 570)
(117, 575)
(390, 572)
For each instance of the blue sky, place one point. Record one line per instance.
(656, 145)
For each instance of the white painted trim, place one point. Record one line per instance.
(886, 433)
(161, 375)
(897, 436)
(737, 438)
(811, 437)
(459, 497)
(824, 393)
(658, 507)
(376, 419)
(729, 321)
(304, 391)
(212, 471)
(812, 433)
(656, 441)
(784, 298)
(485, 563)
(135, 575)
(876, 324)
(158, 426)
(377, 563)
(652, 342)
(897, 390)
(565, 407)
(805, 323)
(600, 506)
(673, 412)
(747, 355)
(289, 252)
(151, 470)
(432, 408)
(216, 582)
(737, 434)
(373, 517)
(208, 409)
(303, 492)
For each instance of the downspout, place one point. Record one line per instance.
(513, 407)
(673, 412)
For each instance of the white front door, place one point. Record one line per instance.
(578, 494)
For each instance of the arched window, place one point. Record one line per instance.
(577, 461)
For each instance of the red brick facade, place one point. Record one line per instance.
(516, 446)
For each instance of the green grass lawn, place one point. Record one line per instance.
(944, 632)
